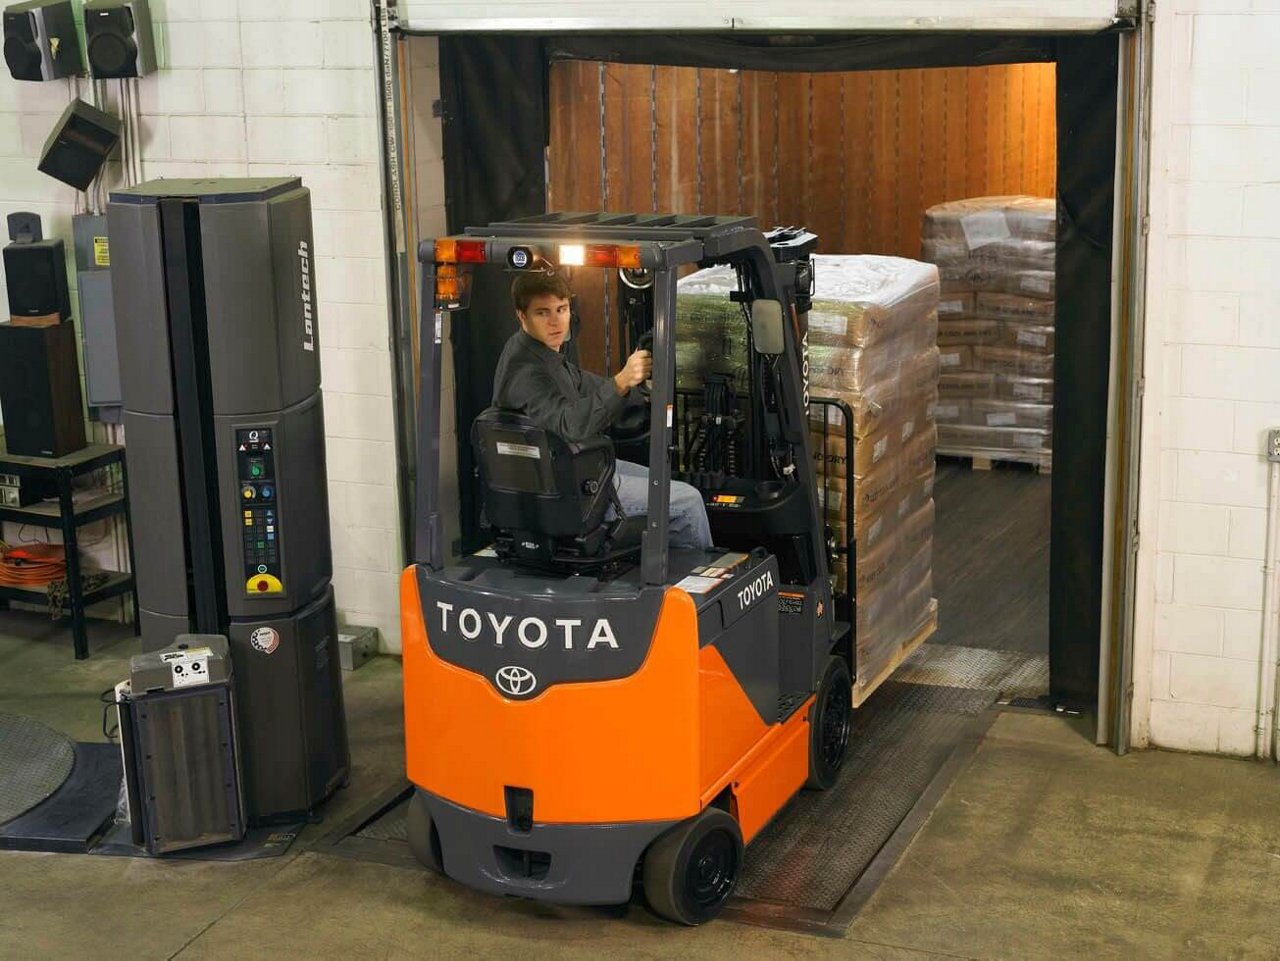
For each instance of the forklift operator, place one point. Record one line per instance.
(536, 379)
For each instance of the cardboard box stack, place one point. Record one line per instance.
(872, 345)
(995, 257)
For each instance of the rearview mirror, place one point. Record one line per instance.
(766, 326)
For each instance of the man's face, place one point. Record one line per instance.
(546, 320)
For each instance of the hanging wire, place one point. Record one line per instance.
(135, 111)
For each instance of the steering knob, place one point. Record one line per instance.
(590, 486)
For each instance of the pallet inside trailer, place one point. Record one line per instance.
(987, 459)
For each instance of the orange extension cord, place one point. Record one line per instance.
(32, 565)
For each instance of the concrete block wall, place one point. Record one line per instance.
(1213, 373)
(265, 87)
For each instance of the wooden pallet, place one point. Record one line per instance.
(985, 459)
(863, 691)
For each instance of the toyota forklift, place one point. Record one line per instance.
(589, 711)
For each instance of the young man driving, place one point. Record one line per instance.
(535, 378)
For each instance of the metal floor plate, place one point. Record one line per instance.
(815, 850)
(391, 826)
(1010, 673)
(34, 762)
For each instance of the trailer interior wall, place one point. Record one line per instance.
(855, 157)
(1212, 375)
(258, 89)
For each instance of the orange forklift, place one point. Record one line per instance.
(588, 711)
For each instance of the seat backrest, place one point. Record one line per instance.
(534, 480)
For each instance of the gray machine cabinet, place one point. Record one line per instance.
(266, 351)
(217, 330)
(256, 256)
(155, 504)
(301, 503)
(289, 681)
(137, 288)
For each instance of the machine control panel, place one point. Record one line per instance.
(260, 509)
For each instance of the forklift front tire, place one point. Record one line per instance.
(829, 725)
(424, 839)
(690, 872)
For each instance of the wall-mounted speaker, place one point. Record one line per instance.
(36, 277)
(120, 40)
(40, 40)
(79, 144)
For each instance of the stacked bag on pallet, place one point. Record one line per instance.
(872, 351)
(995, 258)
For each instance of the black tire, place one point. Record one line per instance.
(424, 839)
(691, 871)
(829, 725)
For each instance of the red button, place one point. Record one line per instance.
(262, 585)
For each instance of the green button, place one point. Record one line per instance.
(255, 470)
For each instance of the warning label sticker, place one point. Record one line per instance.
(790, 603)
(695, 584)
(101, 252)
(518, 450)
(190, 667)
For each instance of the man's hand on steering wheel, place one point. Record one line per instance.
(637, 369)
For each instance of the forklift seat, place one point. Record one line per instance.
(546, 498)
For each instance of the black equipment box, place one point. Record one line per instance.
(178, 739)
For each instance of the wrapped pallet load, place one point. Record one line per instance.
(872, 348)
(995, 258)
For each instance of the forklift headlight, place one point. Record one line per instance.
(599, 255)
(572, 255)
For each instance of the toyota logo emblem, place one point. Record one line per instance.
(515, 681)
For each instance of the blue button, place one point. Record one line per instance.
(267, 492)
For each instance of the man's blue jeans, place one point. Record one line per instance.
(687, 515)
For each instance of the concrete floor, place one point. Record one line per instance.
(1045, 847)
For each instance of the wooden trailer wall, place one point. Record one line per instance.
(856, 157)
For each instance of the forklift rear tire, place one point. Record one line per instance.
(424, 839)
(829, 725)
(690, 872)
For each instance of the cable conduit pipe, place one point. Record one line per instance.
(1267, 732)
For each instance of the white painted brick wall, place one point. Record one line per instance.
(260, 88)
(1213, 372)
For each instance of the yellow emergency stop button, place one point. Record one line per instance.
(263, 584)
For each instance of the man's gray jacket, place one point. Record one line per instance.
(557, 395)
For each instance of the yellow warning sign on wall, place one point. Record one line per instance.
(101, 252)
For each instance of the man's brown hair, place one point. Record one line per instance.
(536, 283)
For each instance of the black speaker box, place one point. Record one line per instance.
(40, 395)
(36, 276)
(79, 144)
(40, 40)
(120, 40)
